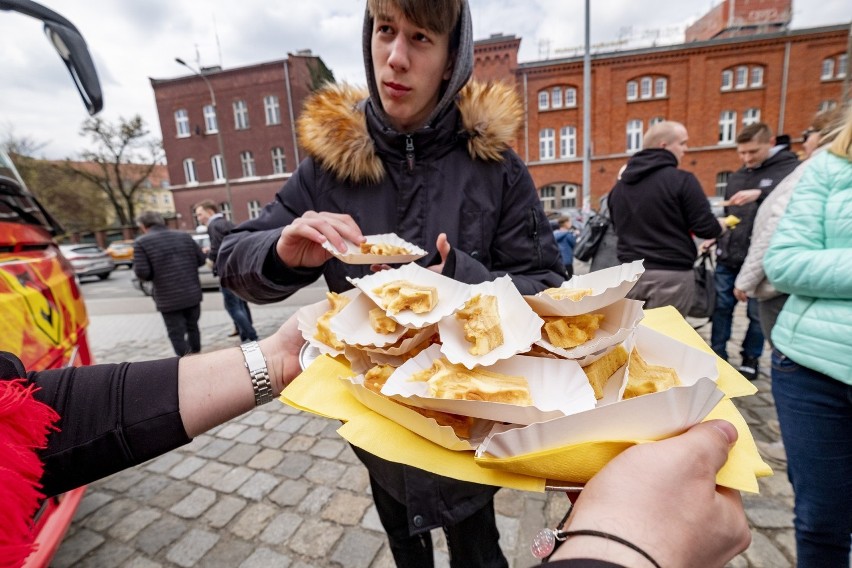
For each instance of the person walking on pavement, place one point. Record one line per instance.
(207, 213)
(655, 209)
(425, 155)
(566, 239)
(170, 259)
(764, 166)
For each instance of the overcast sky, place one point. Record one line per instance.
(133, 40)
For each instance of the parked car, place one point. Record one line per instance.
(121, 252)
(88, 260)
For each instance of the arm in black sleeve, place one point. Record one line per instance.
(141, 264)
(700, 218)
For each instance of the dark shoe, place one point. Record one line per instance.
(234, 333)
(749, 368)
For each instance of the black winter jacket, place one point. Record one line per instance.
(170, 259)
(217, 229)
(655, 208)
(732, 247)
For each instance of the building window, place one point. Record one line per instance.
(842, 63)
(722, 183)
(570, 97)
(750, 116)
(546, 144)
(556, 97)
(225, 208)
(182, 123)
(548, 197)
(756, 76)
(634, 135)
(827, 69)
(211, 125)
(247, 161)
(660, 85)
(645, 88)
(827, 105)
(632, 90)
(568, 142)
(279, 163)
(272, 109)
(241, 118)
(727, 127)
(218, 167)
(189, 171)
(727, 80)
(167, 199)
(569, 195)
(543, 100)
(655, 120)
(254, 209)
(742, 77)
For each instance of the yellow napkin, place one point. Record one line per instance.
(319, 390)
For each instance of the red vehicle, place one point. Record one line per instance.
(42, 313)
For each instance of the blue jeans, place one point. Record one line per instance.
(723, 317)
(238, 309)
(815, 413)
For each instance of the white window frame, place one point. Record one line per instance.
(827, 105)
(272, 109)
(569, 195)
(248, 164)
(190, 173)
(660, 87)
(218, 166)
(656, 120)
(225, 208)
(546, 144)
(645, 88)
(570, 97)
(548, 197)
(756, 78)
(211, 123)
(556, 97)
(634, 135)
(543, 100)
(279, 160)
(727, 80)
(182, 123)
(722, 183)
(827, 69)
(741, 77)
(241, 117)
(751, 116)
(632, 90)
(727, 127)
(568, 142)
(254, 209)
(840, 68)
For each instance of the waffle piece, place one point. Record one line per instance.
(455, 382)
(380, 322)
(324, 333)
(383, 249)
(401, 295)
(601, 370)
(644, 378)
(570, 331)
(573, 294)
(481, 324)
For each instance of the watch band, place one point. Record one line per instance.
(256, 365)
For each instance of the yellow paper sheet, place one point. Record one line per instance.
(319, 390)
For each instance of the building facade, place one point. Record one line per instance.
(713, 86)
(229, 135)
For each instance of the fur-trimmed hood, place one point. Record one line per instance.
(333, 127)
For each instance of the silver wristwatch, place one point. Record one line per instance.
(256, 365)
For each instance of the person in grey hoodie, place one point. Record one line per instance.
(425, 154)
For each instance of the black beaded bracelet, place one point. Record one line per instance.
(562, 535)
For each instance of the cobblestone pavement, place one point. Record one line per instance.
(278, 487)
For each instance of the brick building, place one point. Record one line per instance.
(253, 118)
(741, 71)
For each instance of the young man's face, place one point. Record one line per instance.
(754, 152)
(203, 215)
(410, 64)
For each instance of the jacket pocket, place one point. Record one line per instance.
(472, 236)
(783, 364)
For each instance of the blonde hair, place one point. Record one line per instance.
(842, 145)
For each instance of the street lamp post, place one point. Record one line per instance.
(218, 133)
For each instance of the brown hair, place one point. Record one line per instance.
(206, 204)
(759, 132)
(439, 16)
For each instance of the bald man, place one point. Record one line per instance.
(655, 209)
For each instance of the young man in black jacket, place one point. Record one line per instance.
(655, 207)
(764, 166)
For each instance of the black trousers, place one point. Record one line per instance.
(182, 327)
(472, 543)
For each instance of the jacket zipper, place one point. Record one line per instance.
(409, 152)
(534, 235)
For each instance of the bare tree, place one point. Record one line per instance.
(123, 158)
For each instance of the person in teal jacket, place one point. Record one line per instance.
(810, 258)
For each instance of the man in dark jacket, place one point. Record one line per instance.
(170, 259)
(764, 166)
(208, 214)
(426, 156)
(655, 209)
